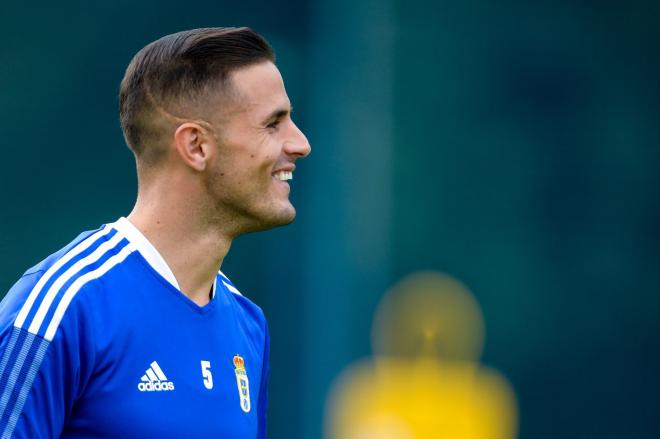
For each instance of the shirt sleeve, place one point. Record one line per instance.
(263, 390)
(39, 379)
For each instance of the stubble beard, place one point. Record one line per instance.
(249, 219)
(240, 215)
(269, 216)
(239, 210)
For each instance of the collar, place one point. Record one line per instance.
(149, 252)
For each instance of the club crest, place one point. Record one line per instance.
(242, 382)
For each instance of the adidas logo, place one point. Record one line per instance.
(154, 380)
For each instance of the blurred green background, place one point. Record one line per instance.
(514, 145)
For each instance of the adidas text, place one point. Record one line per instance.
(156, 386)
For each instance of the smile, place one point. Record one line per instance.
(284, 175)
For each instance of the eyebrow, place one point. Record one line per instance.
(278, 114)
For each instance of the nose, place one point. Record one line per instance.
(297, 143)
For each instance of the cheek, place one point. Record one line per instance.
(247, 166)
(250, 176)
(262, 164)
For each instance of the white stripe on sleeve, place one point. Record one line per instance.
(75, 251)
(64, 278)
(79, 283)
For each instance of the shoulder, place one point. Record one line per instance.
(18, 294)
(38, 301)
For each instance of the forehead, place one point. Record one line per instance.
(258, 88)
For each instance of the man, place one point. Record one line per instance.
(130, 331)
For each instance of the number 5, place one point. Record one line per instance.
(206, 373)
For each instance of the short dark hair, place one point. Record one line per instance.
(175, 75)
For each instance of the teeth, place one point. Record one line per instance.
(284, 175)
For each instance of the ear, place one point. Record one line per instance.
(192, 142)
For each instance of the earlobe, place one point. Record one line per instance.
(192, 145)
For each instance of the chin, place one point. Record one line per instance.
(286, 216)
(272, 219)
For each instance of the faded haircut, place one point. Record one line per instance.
(176, 77)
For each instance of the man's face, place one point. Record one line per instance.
(258, 144)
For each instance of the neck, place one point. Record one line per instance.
(193, 250)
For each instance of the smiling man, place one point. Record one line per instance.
(131, 331)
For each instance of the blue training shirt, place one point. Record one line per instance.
(97, 341)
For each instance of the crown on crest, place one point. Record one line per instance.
(239, 363)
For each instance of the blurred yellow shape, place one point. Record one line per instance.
(425, 381)
(420, 399)
(429, 313)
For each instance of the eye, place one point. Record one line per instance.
(274, 124)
